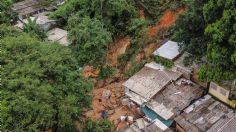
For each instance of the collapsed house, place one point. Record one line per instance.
(206, 114)
(161, 94)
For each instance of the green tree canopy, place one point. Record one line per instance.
(90, 38)
(154, 8)
(189, 29)
(41, 85)
(115, 15)
(7, 15)
(9, 31)
(208, 29)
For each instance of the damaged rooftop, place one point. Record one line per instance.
(206, 114)
(174, 98)
(149, 81)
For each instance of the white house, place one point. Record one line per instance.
(169, 50)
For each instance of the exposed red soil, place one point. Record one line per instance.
(167, 20)
(118, 48)
(89, 71)
(112, 105)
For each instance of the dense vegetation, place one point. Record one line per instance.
(90, 39)
(7, 15)
(207, 31)
(154, 8)
(166, 63)
(42, 87)
(115, 15)
(93, 24)
(98, 126)
(41, 84)
(32, 28)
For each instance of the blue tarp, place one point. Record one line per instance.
(153, 115)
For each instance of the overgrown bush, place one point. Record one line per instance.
(115, 15)
(32, 28)
(166, 63)
(207, 73)
(106, 72)
(7, 15)
(98, 126)
(123, 59)
(90, 40)
(40, 81)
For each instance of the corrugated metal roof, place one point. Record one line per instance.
(206, 114)
(229, 126)
(169, 50)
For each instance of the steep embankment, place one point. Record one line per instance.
(113, 87)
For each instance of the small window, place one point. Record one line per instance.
(213, 86)
(223, 92)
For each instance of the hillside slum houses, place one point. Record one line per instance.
(28, 8)
(169, 100)
(206, 115)
(36, 11)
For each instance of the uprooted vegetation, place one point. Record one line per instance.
(128, 55)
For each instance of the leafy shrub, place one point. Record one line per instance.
(207, 73)
(98, 126)
(90, 39)
(40, 81)
(9, 31)
(123, 59)
(106, 72)
(115, 15)
(166, 63)
(34, 29)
